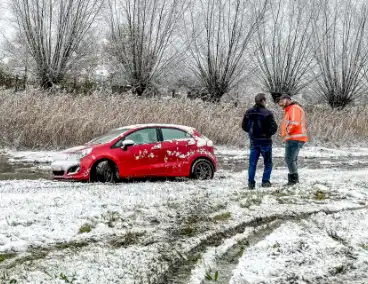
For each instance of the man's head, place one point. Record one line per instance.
(260, 99)
(285, 100)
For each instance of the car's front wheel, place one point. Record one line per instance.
(202, 169)
(106, 172)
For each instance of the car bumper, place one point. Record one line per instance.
(70, 170)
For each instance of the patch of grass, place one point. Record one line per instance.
(336, 237)
(211, 277)
(65, 278)
(241, 251)
(71, 245)
(222, 217)
(190, 225)
(320, 195)
(194, 257)
(338, 269)
(111, 218)
(364, 246)
(189, 230)
(254, 199)
(85, 228)
(5, 256)
(130, 238)
(221, 206)
(193, 218)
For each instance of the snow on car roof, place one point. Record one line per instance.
(182, 127)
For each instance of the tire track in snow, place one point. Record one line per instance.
(179, 270)
(178, 260)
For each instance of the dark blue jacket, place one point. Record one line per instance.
(260, 124)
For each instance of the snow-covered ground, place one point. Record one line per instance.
(54, 232)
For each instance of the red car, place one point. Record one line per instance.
(138, 151)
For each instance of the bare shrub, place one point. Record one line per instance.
(284, 50)
(142, 38)
(342, 52)
(54, 31)
(219, 34)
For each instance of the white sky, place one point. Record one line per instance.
(6, 29)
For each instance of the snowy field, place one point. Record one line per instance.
(190, 231)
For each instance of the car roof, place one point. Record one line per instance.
(138, 126)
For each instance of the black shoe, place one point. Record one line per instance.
(266, 184)
(251, 185)
(293, 179)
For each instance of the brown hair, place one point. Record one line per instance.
(260, 97)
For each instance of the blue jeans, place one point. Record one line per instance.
(255, 152)
(292, 149)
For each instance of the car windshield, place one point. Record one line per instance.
(108, 137)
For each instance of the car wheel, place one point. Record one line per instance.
(202, 169)
(105, 172)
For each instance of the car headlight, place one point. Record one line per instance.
(82, 154)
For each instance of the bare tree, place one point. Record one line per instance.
(142, 38)
(342, 53)
(284, 50)
(220, 33)
(54, 30)
(18, 57)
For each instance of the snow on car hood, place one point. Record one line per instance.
(76, 149)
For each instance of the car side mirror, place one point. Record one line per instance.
(126, 144)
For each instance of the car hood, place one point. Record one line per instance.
(76, 149)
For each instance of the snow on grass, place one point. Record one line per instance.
(306, 152)
(43, 212)
(33, 156)
(39, 214)
(309, 252)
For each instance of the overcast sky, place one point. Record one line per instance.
(6, 29)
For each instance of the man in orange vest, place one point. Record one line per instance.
(294, 132)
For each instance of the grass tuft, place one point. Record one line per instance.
(5, 256)
(85, 228)
(320, 195)
(222, 217)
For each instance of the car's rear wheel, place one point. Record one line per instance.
(105, 172)
(202, 169)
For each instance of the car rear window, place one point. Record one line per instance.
(174, 134)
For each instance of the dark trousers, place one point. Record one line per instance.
(255, 152)
(292, 149)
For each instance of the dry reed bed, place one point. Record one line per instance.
(39, 121)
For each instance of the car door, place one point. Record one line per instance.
(140, 160)
(176, 146)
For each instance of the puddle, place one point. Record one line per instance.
(21, 170)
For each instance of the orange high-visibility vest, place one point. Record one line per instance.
(293, 125)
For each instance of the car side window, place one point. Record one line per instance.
(143, 136)
(174, 134)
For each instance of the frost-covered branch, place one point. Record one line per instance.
(219, 33)
(54, 30)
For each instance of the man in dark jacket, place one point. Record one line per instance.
(260, 124)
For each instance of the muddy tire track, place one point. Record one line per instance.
(179, 261)
(180, 268)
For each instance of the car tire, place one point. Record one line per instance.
(105, 172)
(202, 169)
